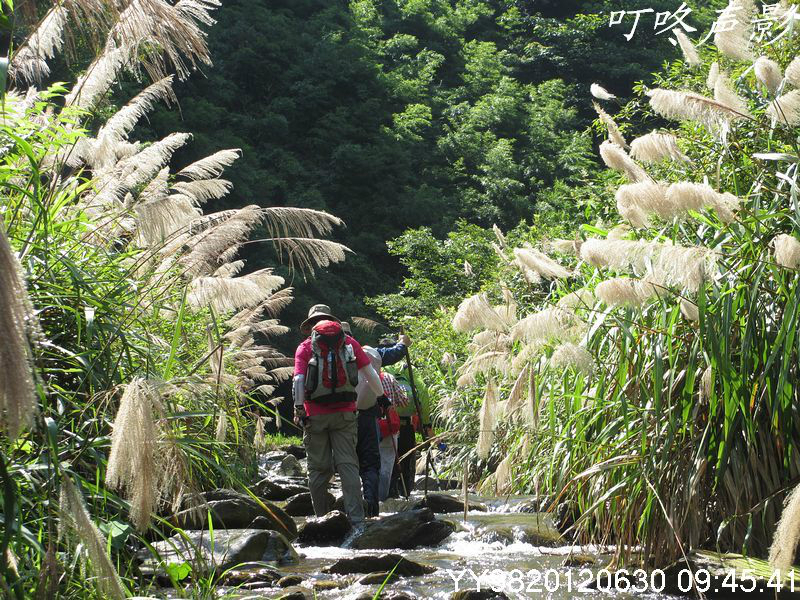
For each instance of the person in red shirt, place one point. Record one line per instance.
(327, 366)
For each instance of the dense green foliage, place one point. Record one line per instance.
(403, 114)
(648, 383)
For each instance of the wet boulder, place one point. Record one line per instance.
(234, 510)
(289, 581)
(254, 578)
(409, 529)
(328, 530)
(478, 595)
(297, 593)
(281, 464)
(378, 564)
(229, 548)
(536, 529)
(435, 484)
(280, 488)
(379, 578)
(290, 467)
(445, 503)
(296, 450)
(300, 505)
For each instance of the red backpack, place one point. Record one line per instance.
(389, 423)
(332, 373)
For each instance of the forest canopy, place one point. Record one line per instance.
(397, 115)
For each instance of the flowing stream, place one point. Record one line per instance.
(497, 540)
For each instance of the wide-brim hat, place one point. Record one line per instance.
(318, 312)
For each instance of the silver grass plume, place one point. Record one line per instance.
(787, 251)
(618, 232)
(259, 442)
(793, 72)
(508, 309)
(487, 420)
(713, 74)
(686, 196)
(572, 356)
(665, 264)
(688, 106)
(476, 312)
(17, 392)
(624, 291)
(29, 62)
(786, 108)
(221, 432)
(75, 517)
(133, 463)
(690, 54)
(655, 147)
(484, 363)
(211, 166)
(613, 129)
(142, 167)
(734, 41)
(707, 384)
(121, 123)
(231, 269)
(787, 534)
(174, 29)
(725, 95)
(601, 93)
(203, 190)
(218, 234)
(104, 151)
(97, 80)
(582, 298)
(490, 340)
(636, 201)
(690, 310)
(282, 221)
(518, 390)
(157, 220)
(768, 72)
(616, 158)
(498, 233)
(550, 323)
(307, 254)
(269, 307)
(503, 475)
(566, 246)
(539, 262)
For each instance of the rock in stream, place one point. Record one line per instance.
(409, 529)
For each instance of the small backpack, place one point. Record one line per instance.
(389, 423)
(332, 373)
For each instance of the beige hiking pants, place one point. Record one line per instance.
(330, 442)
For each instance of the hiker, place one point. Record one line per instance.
(327, 367)
(393, 352)
(403, 476)
(369, 455)
(389, 424)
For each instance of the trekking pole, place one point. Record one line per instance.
(418, 407)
